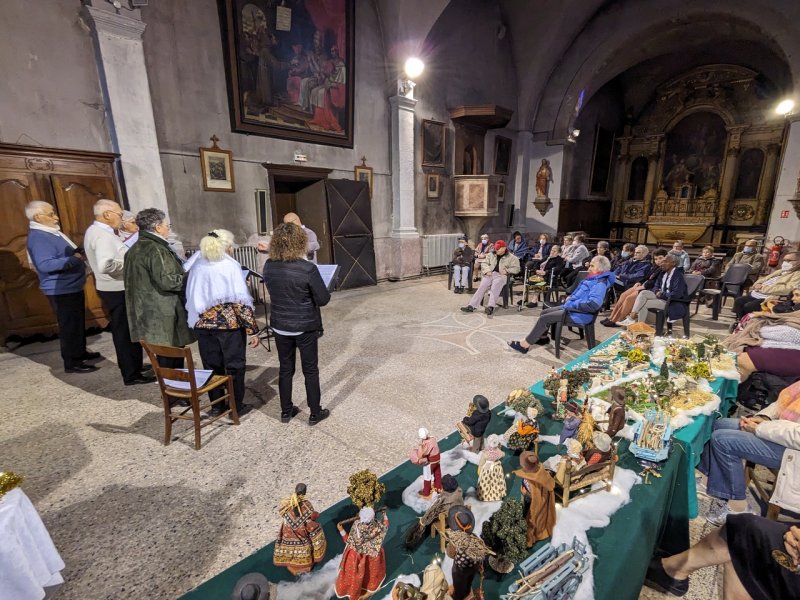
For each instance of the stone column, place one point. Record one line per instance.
(766, 189)
(651, 185)
(622, 179)
(129, 108)
(522, 177)
(406, 247)
(730, 171)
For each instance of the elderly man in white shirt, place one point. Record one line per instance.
(105, 252)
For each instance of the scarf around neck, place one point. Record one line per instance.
(211, 283)
(789, 403)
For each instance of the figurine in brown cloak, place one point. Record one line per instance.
(616, 412)
(539, 497)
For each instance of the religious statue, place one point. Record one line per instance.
(426, 454)
(301, 541)
(544, 176)
(539, 497)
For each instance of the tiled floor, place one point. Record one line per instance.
(135, 519)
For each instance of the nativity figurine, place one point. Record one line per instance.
(473, 426)
(572, 420)
(363, 567)
(301, 541)
(426, 454)
(572, 461)
(526, 432)
(538, 494)
(616, 412)
(450, 496)
(466, 549)
(601, 449)
(491, 477)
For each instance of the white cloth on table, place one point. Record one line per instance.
(29, 561)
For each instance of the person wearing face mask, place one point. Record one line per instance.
(495, 271)
(750, 256)
(634, 270)
(778, 283)
(481, 252)
(462, 259)
(623, 256)
(540, 251)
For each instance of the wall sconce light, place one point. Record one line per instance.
(785, 107)
(412, 69)
(573, 135)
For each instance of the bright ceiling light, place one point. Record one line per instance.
(414, 67)
(785, 107)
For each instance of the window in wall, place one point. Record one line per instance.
(750, 165)
(601, 161)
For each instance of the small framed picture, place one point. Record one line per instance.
(502, 155)
(217, 166)
(433, 186)
(363, 173)
(501, 191)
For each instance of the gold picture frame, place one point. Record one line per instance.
(363, 173)
(217, 167)
(433, 186)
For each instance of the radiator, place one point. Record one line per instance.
(437, 250)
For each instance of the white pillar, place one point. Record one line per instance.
(787, 226)
(403, 177)
(123, 79)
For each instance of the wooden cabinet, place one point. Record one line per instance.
(72, 181)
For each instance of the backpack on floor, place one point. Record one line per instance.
(761, 389)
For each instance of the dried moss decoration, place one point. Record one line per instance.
(365, 489)
(505, 530)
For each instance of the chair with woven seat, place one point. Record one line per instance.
(169, 392)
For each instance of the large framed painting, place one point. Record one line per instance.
(289, 67)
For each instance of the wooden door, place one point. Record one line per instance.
(312, 208)
(21, 302)
(75, 197)
(284, 204)
(351, 229)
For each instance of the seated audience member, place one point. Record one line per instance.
(221, 313)
(61, 267)
(567, 249)
(670, 285)
(495, 270)
(772, 305)
(761, 439)
(778, 283)
(578, 254)
(684, 261)
(625, 255)
(744, 548)
(482, 250)
(770, 342)
(519, 247)
(552, 264)
(603, 249)
(624, 304)
(462, 260)
(706, 265)
(634, 270)
(588, 297)
(751, 257)
(539, 251)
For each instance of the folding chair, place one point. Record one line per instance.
(165, 375)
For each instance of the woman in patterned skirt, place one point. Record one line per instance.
(491, 478)
(363, 566)
(301, 541)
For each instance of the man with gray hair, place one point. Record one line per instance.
(633, 270)
(587, 298)
(128, 229)
(154, 286)
(106, 255)
(670, 285)
(60, 265)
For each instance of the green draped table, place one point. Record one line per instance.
(656, 518)
(691, 438)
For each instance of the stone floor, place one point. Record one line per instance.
(133, 518)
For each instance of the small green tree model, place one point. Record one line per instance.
(365, 489)
(664, 369)
(505, 531)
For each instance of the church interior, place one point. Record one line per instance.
(395, 130)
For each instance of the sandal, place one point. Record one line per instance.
(515, 345)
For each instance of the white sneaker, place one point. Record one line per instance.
(627, 322)
(718, 519)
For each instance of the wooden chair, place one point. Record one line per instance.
(578, 483)
(763, 488)
(439, 526)
(192, 394)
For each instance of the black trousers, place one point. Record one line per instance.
(549, 317)
(71, 315)
(287, 345)
(746, 304)
(224, 351)
(129, 353)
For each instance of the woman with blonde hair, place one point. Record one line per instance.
(297, 292)
(221, 312)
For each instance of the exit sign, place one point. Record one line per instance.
(784, 214)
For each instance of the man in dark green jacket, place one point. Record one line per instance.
(154, 285)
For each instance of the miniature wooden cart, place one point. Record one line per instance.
(579, 481)
(551, 573)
